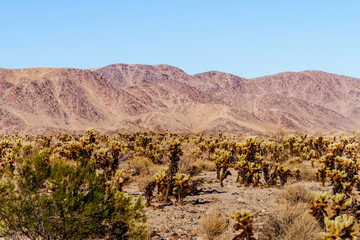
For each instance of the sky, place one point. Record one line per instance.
(248, 38)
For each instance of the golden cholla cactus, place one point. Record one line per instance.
(351, 149)
(121, 177)
(7, 159)
(104, 159)
(265, 168)
(283, 173)
(174, 151)
(339, 179)
(319, 205)
(297, 174)
(181, 186)
(340, 228)
(90, 131)
(336, 148)
(340, 203)
(222, 162)
(161, 180)
(328, 160)
(248, 172)
(243, 221)
(321, 174)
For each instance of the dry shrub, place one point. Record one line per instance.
(141, 165)
(292, 222)
(214, 224)
(307, 173)
(304, 227)
(296, 193)
(186, 165)
(206, 165)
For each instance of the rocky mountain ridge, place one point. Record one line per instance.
(122, 97)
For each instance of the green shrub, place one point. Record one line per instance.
(66, 201)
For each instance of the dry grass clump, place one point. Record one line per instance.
(214, 224)
(296, 193)
(304, 227)
(140, 165)
(204, 165)
(307, 173)
(292, 222)
(186, 165)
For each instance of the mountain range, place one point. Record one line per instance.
(128, 98)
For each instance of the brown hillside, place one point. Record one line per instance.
(123, 97)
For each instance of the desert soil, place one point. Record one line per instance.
(177, 222)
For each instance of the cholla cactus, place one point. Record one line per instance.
(297, 174)
(8, 159)
(340, 203)
(321, 174)
(90, 131)
(181, 186)
(319, 205)
(248, 172)
(284, 173)
(243, 221)
(120, 178)
(339, 180)
(340, 228)
(222, 162)
(265, 168)
(149, 192)
(105, 160)
(71, 150)
(174, 152)
(161, 181)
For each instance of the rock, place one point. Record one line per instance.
(262, 213)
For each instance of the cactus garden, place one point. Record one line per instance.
(179, 186)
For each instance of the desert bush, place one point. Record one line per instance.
(203, 164)
(141, 165)
(213, 224)
(307, 173)
(304, 227)
(292, 221)
(66, 201)
(296, 193)
(187, 166)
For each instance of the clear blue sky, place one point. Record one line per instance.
(248, 38)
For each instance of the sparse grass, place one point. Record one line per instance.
(297, 193)
(214, 224)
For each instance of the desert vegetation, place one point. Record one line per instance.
(122, 186)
